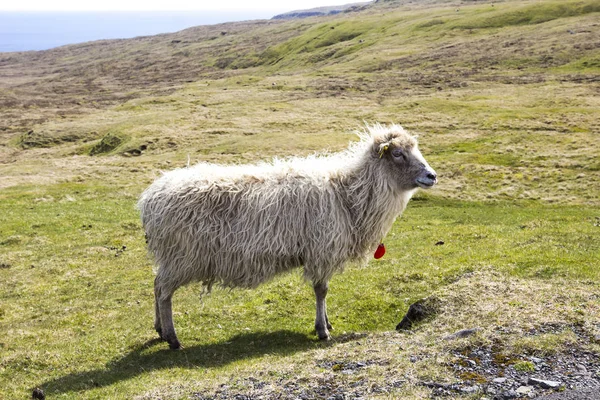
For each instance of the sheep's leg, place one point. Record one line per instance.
(321, 322)
(164, 309)
(157, 325)
(166, 319)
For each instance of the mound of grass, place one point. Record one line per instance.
(33, 139)
(107, 144)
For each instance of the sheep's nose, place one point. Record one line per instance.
(432, 176)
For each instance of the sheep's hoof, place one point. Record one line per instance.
(325, 336)
(329, 326)
(175, 345)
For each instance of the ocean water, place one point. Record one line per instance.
(23, 31)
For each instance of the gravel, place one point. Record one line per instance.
(578, 371)
(479, 372)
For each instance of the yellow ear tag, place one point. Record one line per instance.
(383, 150)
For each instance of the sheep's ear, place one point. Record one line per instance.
(381, 148)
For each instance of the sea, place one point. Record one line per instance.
(25, 31)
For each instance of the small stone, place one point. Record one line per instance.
(469, 389)
(536, 360)
(523, 390)
(499, 380)
(544, 383)
(462, 334)
(581, 368)
(510, 394)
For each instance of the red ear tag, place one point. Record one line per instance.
(379, 252)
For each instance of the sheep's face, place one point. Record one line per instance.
(406, 163)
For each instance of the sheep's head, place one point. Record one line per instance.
(398, 151)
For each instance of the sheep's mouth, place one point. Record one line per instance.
(426, 183)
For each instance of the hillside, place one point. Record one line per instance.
(380, 61)
(323, 11)
(504, 97)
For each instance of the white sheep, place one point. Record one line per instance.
(239, 226)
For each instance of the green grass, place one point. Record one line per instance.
(531, 13)
(77, 305)
(502, 99)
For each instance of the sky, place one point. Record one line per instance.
(166, 5)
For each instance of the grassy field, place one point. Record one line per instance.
(505, 101)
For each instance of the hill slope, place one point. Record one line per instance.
(505, 99)
(379, 64)
(322, 11)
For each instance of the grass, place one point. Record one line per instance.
(79, 284)
(513, 138)
(531, 14)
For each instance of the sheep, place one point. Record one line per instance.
(240, 225)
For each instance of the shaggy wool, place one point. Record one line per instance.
(240, 225)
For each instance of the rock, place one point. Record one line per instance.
(462, 334)
(418, 311)
(544, 383)
(509, 394)
(581, 369)
(578, 394)
(536, 360)
(469, 389)
(38, 394)
(523, 390)
(499, 380)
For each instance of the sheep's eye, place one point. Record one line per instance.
(397, 153)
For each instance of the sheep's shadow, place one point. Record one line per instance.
(145, 358)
